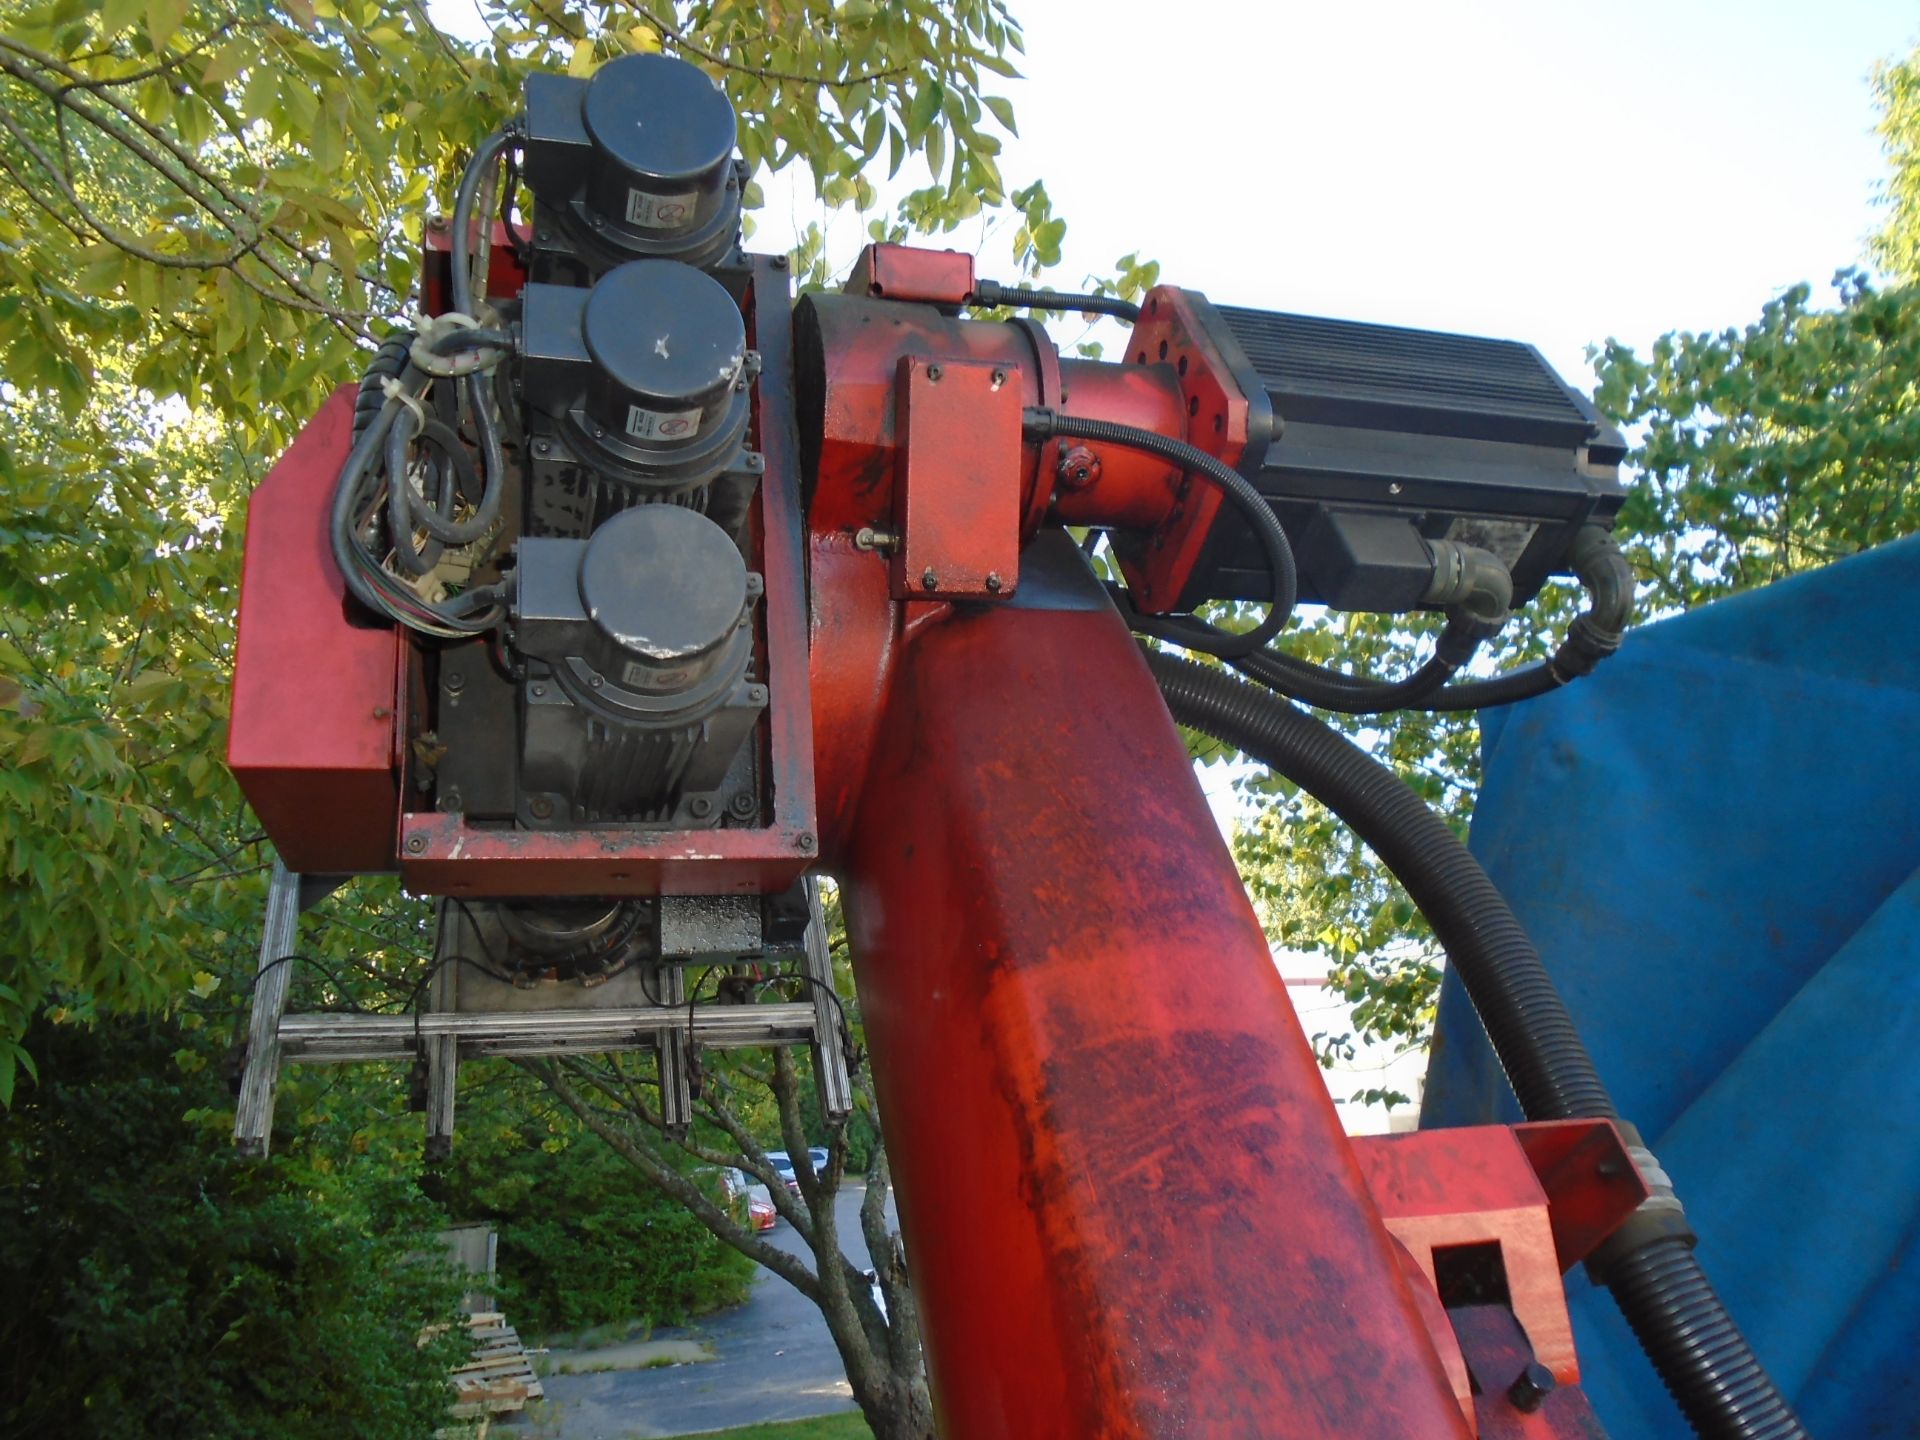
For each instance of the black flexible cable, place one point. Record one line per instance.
(1596, 633)
(485, 428)
(460, 248)
(401, 510)
(476, 338)
(1316, 685)
(1705, 1362)
(462, 478)
(1021, 297)
(1049, 424)
(389, 363)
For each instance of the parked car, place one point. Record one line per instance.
(747, 1199)
(760, 1209)
(782, 1164)
(783, 1167)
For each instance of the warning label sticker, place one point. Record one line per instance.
(645, 424)
(659, 212)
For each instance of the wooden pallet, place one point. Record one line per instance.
(499, 1377)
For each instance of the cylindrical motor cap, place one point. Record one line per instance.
(667, 343)
(665, 588)
(663, 133)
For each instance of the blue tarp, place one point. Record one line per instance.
(1715, 842)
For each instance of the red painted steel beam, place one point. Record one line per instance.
(1127, 1201)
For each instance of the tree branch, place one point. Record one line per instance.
(672, 1183)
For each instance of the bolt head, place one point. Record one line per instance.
(1531, 1387)
(993, 584)
(540, 807)
(542, 447)
(929, 580)
(934, 372)
(416, 844)
(806, 841)
(701, 807)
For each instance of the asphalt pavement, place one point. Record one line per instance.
(773, 1360)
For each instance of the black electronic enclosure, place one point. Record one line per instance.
(635, 163)
(1367, 439)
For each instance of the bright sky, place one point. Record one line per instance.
(1555, 173)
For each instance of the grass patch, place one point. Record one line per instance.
(850, 1426)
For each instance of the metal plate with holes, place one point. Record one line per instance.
(957, 501)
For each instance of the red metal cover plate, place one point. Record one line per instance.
(311, 739)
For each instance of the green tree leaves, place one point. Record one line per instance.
(207, 207)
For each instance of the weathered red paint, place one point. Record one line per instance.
(1471, 1186)
(1496, 1350)
(505, 273)
(312, 735)
(1168, 332)
(956, 520)
(908, 272)
(1591, 1183)
(1126, 1198)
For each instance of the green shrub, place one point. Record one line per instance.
(158, 1286)
(583, 1240)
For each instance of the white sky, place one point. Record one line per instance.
(1550, 172)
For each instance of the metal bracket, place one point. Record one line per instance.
(253, 1115)
(829, 1043)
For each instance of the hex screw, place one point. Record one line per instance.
(596, 681)
(993, 583)
(933, 374)
(1079, 467)
(999, 378)
(456, 682)
(542, 447)
(1531, 1387)
(416, 844)
(806, 841)
(701, 807)
(929, 580)
(780, 262)
(540, 807)
(538, 692)
(741, 805)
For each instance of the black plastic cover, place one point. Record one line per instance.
(1470, 439)
(636, 161)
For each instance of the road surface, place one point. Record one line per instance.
(773, 1360)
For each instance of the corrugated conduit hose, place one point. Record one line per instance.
(1649, 1266)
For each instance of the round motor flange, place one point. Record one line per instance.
(666, 405)
(665, 591)
(662, 181)
(561, 939)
